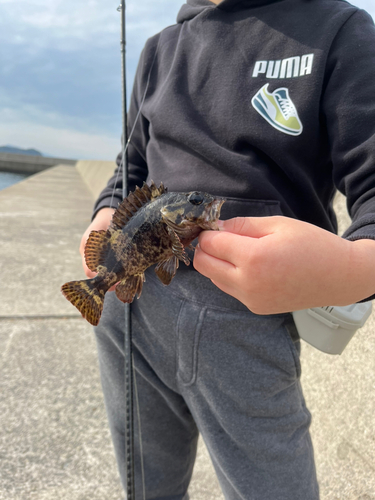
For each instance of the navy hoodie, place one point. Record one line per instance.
(269, 103)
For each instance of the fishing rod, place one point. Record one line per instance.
(128, 355)
(129, 374)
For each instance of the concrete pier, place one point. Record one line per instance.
(54, 440)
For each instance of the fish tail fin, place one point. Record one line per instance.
(87, 296)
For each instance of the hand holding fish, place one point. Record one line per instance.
(277, 264)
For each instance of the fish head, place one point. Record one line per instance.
(192, 210)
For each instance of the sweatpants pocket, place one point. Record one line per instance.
(240, 354)
(189, 327)
(293, 341)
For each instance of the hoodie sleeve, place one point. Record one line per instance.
(349, 109)
(137, 164)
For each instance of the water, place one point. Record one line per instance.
(8, 179)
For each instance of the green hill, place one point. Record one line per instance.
(19, 151)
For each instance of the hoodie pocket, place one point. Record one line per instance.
(241, 207)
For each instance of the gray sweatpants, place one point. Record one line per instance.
(205, 364)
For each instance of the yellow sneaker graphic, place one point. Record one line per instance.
(278, 109)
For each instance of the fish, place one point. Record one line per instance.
(150, 226)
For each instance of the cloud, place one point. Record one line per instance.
(60, 24)
(63, 24)
(47, 134)
(61, 64)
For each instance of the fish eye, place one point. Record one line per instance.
(195, 198)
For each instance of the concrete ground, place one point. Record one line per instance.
(54, 441)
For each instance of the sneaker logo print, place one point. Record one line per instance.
(278, 109)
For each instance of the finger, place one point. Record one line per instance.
(226, 246)
(224, 287)
(255, 227)
(211, 267)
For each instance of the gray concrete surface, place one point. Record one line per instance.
(54, 441)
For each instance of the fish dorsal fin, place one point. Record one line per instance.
(134, 201)
(157, 191)
(96, 249)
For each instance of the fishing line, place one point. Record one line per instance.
(135, 123)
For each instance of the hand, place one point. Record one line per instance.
(276, 264)
(101, 221)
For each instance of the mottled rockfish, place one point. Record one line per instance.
(150, 226)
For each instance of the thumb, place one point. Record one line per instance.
(254, 227)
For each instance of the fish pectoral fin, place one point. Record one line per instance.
(96, 249)
(127, 289)
(177, 247)
(166, 269)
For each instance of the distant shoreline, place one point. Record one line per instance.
(20, 151)
(30, 164)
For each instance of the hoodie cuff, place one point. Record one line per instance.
(363, 228)
(106, 203)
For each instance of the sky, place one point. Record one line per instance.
(60, 71)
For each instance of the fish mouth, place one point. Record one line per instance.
(212, 214)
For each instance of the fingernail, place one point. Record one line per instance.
(220, 224)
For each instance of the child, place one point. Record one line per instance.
(268, 103)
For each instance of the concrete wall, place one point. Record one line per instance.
(29, 164)
(95, 174)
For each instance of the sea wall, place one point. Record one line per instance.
(29, 164)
